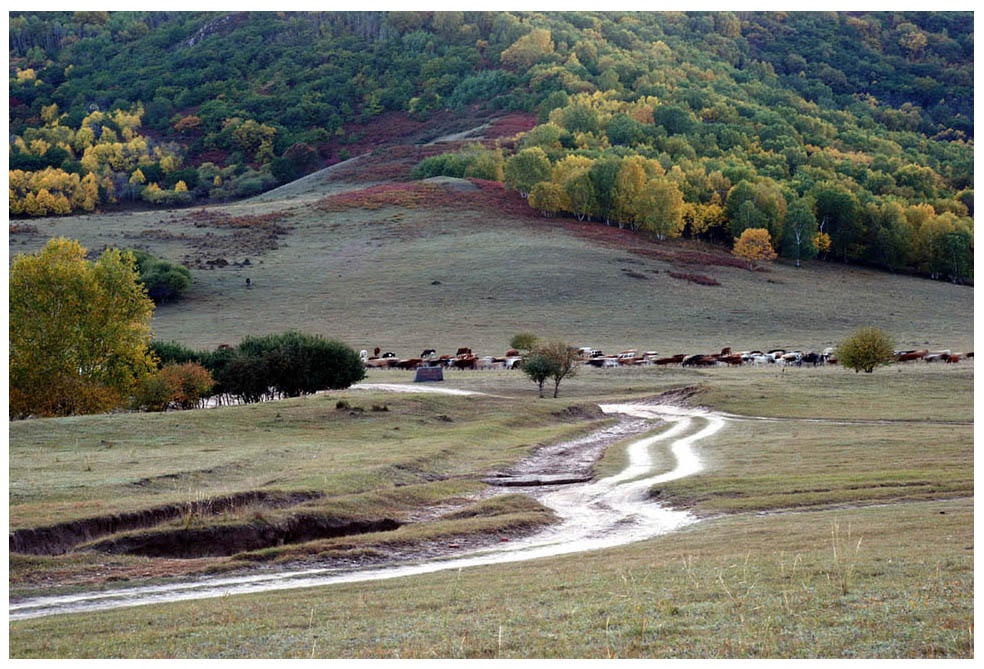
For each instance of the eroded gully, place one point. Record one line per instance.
(609, 512)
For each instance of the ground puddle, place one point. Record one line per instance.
(602, 514)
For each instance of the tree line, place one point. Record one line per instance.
(602, 158)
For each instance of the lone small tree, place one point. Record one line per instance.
(866, 349)
(565, 360)
(539, 367)
(556, 360)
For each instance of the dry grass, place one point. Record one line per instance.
(749, 586)
(368, 277)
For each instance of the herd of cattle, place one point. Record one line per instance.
(465, 359)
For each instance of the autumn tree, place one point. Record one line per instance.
(662, 209)
(188, 124)
(564, 359)
(555, 360)
(529, 49)
(580, 192)
(630, 185)
(79, 332)
(549, 198)
(703, 219)
(754, 245)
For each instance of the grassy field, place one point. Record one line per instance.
(885, 581)
(775, 569)
(405, 279)
(843, 527)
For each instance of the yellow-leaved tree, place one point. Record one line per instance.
(79, 331)
(755, 244)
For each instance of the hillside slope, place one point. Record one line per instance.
(409, 266)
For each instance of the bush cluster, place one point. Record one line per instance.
(289, 364)
(165, 281)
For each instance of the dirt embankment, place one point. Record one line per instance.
(63, 537)
(231, 539)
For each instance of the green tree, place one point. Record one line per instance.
(675, 119)
(79, 332)
(165, 281)
(604, 172)
(755, 205)
(837, 214)
(799, 232)
(580, 191)
(866, 348)
(958, 254)
(539, 367)
(526, 169)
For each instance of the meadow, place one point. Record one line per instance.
(406, 278)
(843, 527)
(845, 539)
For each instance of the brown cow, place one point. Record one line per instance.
(907, 356)
(463, 351)
(464, 362)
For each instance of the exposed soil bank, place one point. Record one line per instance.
(232, 539)
(61, 538)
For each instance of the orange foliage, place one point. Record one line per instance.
(754, 244)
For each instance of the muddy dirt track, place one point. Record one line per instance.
(593, 515)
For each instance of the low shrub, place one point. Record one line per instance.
(165, 281)
(190, 383)
(181, 386)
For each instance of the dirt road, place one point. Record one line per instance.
(601, 514)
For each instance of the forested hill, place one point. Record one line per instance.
(854, 130)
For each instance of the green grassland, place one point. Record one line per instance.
(841, 528)
(882, 581)
(819, 539)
